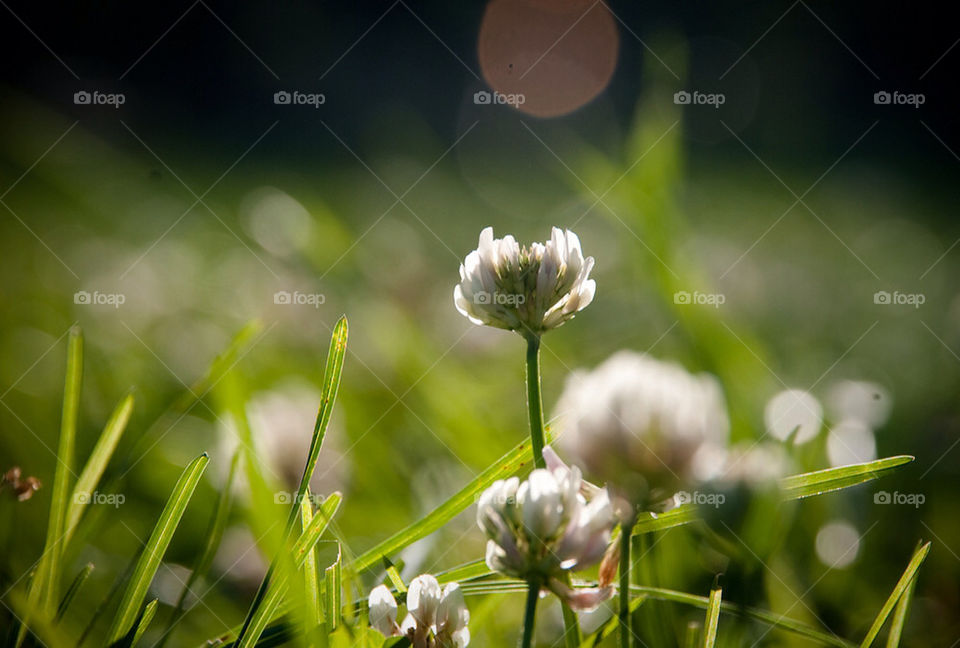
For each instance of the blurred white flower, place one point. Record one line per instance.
(859, 400)
(793, 412)
(641, 426)
(851, 441)
(544, 526)
(530, 289)
(281, 424)
(436, 617)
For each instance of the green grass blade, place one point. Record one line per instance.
(611, 626)
(97, 463)
(333, 591)
(44, 588)
(264, 613)
(832, 479)
(331, 384)
(156, 546)
(506, 466)
(778, 621)
(64, 472)
(71, 592)
(898, 591)
(466, 571)
(900, 616)
(311, 585)
(709, 635)
(649, 522)
(145, 620)
(218, 524)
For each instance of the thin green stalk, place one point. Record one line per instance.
(534, 400)
(533, 594)
(626, 532)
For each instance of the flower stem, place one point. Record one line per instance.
(534, 400)
(528, 619)
(626, 531)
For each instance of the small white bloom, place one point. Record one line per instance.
(383, 610)
(548, 528)
(637, 424)
(436, 617)
(423, 597)
(530, 289)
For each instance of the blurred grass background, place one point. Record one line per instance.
(428, 400)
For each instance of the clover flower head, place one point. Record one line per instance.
(437, 617)
(545, 526)
(642, 426)
(531, 289)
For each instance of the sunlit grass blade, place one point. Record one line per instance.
(900, 616)
(312, 614)
(333, 591)
(214, 534)
(156, 546)
(328, 396)
(709, 636)
(898, 591)
(832, 479)
(648, 522)
(71, 592)
(610, 627)
(506, 466)
(777, 621)
(467, 571)
(43, 593)
(148, 612)
(97, 464)
(138, 628)
(394, 575)
(263, 615)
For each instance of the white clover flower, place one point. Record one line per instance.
(437, 617)
(544, 526)
(383, 610)
(641, 425)
(530, 289)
